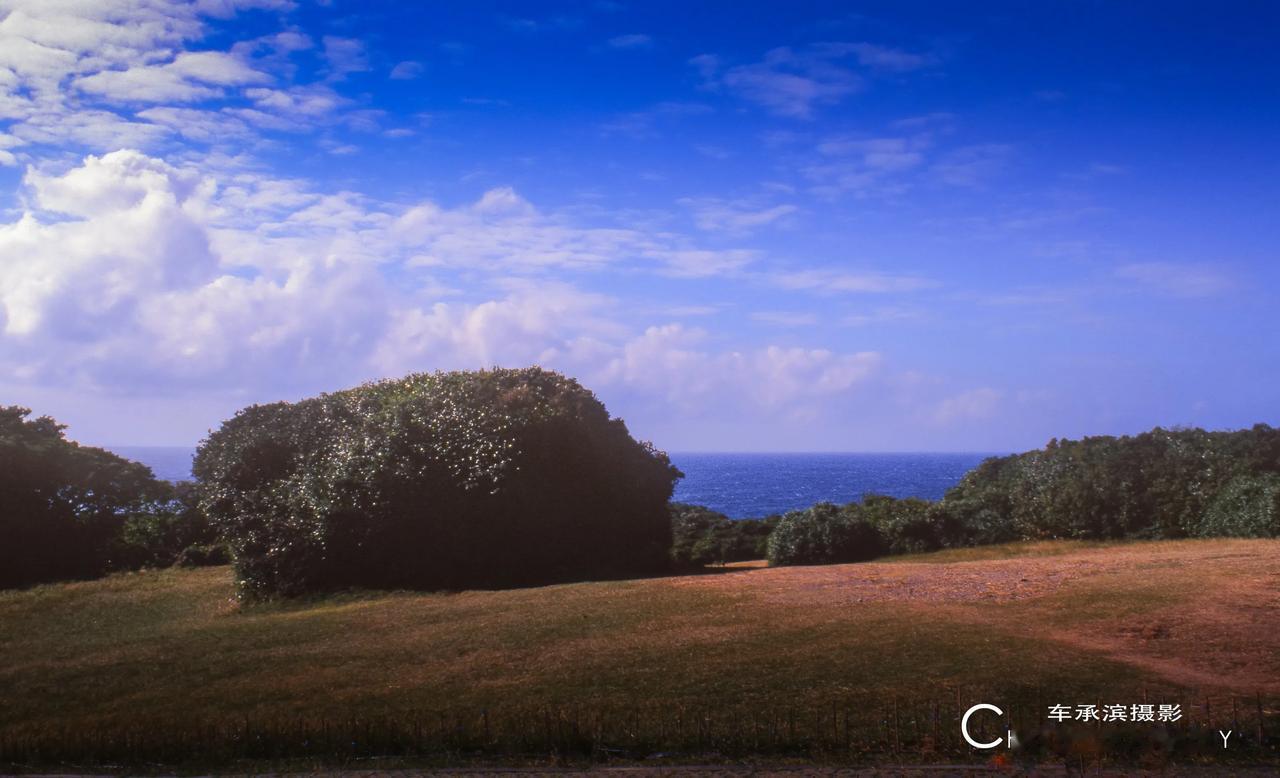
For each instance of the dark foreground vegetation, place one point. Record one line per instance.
(69, 511)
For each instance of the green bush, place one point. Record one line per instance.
(701, 536)
(157, 537)
(910, 526)
(1248, 507)
(824, 534)
(443, 480)
(1158, 484)
(63, 506)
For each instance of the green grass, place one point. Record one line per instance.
(171, 649)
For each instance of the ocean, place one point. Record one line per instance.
(741, 485)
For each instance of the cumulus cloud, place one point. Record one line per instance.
(156, 267)
(131, 273)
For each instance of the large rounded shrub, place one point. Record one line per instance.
(1248, 507)
(824, 534)
(443, 480)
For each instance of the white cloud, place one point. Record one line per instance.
(305, 102)
(345, 56)
(188, 78)
(133, 274)
(198, 124)
(72, 71)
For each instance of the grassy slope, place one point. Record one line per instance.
(1083, 623)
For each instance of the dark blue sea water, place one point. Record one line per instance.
(171, 463)
(742, 485)
(754, 485)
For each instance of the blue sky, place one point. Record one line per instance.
(799, 226)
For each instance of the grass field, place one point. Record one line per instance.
(1023, 625)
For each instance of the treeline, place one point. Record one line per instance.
(1159, 484)
(69, 511)
(511, 477)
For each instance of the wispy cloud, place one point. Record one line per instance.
(407, 70)
(649, 123)
(785, 318)
(830, 281)
(976, 404)
(1177, 280)
(345, 56)
(796, 82)
(972, 166)
(734, 217)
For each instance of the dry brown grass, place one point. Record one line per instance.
(1074, 622)
(1196, 613)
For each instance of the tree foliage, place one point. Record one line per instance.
(443, 480)
(63, 506)
(1159, 484)
(701, 536)
(172, 530)
(824, 534)
(1248, 506)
